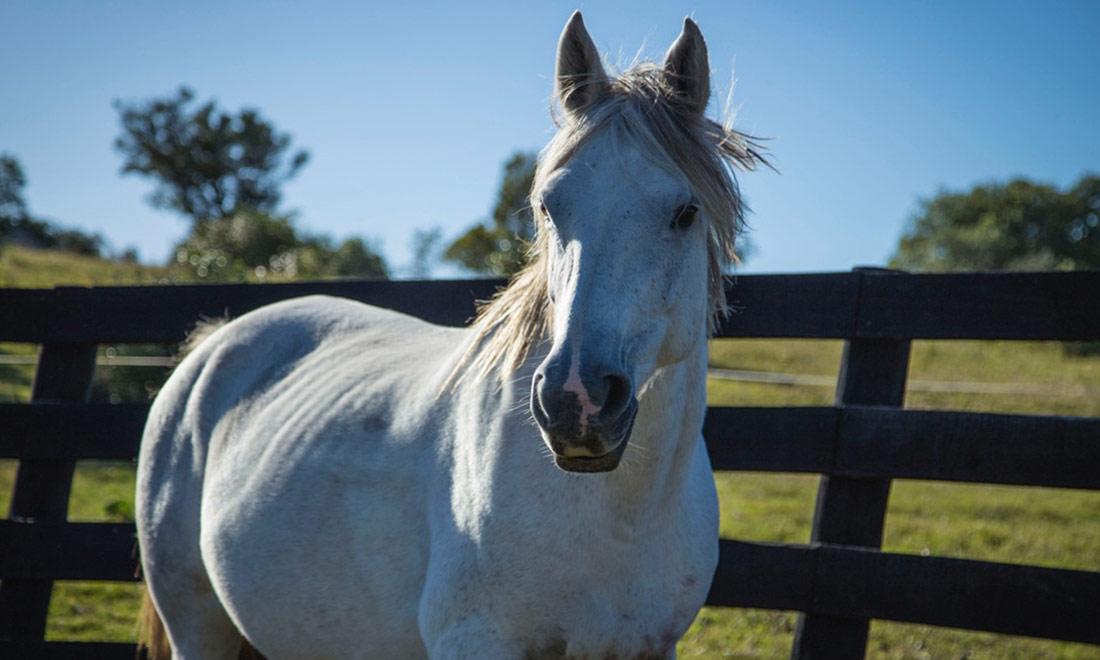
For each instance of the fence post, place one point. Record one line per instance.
(41, 491)
(852, 511)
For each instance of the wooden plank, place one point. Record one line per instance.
(959, 593)
(972, 447)
(163, 314)
(768, 575)
(819, 305)
(71, 431)
(1030, 450)
(926, 306)
(771, 439)
(813, 305)
(852, 510)
(70, 650)
(1063, 306)
(872, 442)
(25, 314)
(68, 551)
(41, 490)
(851, 582)
(64, 374)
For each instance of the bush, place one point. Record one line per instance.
(252, 245)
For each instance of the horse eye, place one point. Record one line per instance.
(685, 215)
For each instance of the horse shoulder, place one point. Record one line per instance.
(249, 380)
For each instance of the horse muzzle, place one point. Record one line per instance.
(586, 426)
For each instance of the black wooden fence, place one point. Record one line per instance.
(840, 580)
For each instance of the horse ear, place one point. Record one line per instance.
(579, 76)
(687, 67)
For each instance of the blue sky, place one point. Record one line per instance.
(409, 109)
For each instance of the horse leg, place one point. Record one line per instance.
(196, 624)
(193, 617)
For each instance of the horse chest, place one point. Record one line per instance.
(583, 590)
(574, 615)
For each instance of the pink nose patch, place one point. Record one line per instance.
(574, 384)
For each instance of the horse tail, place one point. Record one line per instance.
(202, 330)
(151, 633)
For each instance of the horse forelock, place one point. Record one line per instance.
(642, 106)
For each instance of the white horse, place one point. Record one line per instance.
(325, 479)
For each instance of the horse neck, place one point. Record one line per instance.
(671, 407)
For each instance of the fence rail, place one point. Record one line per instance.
(868, 304)
(839, 581)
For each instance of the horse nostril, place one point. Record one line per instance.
(538, 406)
(618, 394)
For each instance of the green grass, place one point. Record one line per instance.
(1042, 526)
(1065, 384)
(28, 268)
(16, 379)
(1047, 527)
(94, 611)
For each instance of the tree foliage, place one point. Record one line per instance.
(1015, 226)
(498, 245)
(208, 163)
(252, 245)
(225, 172)
(425, 250)
(12, 205)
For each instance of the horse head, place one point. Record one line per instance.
(623, 236)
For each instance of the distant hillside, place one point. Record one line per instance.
(23, 267)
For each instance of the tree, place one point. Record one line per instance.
(425, 249)
(12, 205)
(208, 163)
(255, 245)
(354, 258)
(498, 245)
(1015, 226)
(19, 226)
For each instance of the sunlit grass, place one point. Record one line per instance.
(16, 379)
(94, 611)
(29, 268)
(1041, 526)
(1056, 381)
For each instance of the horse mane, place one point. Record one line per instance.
(641, 104)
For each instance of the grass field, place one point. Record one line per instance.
(27, 268)
(1042, 526)
(1048, 527)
